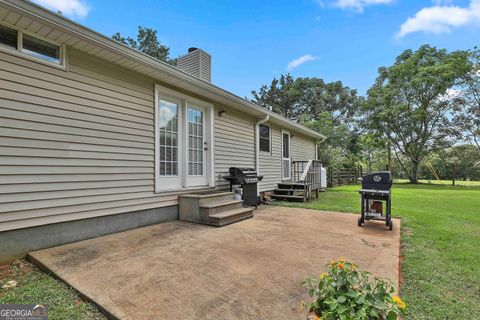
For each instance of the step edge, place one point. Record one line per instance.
(232, 212)
(219, 204)
(205, 196)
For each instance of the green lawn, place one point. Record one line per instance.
(444, 182)
(34, 286)
(440, 245)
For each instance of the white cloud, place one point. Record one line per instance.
(451, 94)
(356, 5)
(71, 8)
(441, 19)
(441, 2)
(301, 60)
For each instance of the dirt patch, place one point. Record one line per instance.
(74, 257)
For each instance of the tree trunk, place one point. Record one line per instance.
(414, 175)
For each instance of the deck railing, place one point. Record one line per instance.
(309, 173)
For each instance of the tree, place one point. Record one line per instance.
(328, 108)
(406, 105)
(281, 97)
(467, 117)
(147, 42)
(317, 97)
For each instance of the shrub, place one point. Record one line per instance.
(345, 293)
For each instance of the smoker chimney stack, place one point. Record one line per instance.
(196, 62)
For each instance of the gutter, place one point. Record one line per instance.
(257, 142)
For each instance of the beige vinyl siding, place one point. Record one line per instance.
(74, 144)
(196, 63)
(303, 148)
(79, 143)
(234, 142)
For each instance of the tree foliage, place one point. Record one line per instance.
(147, 42)
(407, 104)
(467, 115)
(282, 97)
(329, 108)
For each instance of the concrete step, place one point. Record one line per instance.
(230, 216)
(211, 208)
(209, 197)
(287, 197)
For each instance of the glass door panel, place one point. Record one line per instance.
(196, 146)
(168, 169)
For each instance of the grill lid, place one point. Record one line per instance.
(381, 180)
(243, 176)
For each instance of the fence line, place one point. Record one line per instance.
(338, 177)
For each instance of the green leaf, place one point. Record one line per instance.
(341, 309)
(392, 315)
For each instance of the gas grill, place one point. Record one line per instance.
(247, 179)
(376, 189)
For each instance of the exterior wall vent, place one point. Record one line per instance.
(197, 63)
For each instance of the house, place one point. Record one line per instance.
(96, 137)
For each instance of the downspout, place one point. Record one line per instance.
(257, 142)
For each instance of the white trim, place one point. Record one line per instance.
(168, 183)
(211, 149)
(289, 156)
(209, 168)
(19, 50)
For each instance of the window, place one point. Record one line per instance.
(8, 37)
(17, 41)
(41, 49)
(264, 138)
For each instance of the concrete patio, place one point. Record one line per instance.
(248, 270)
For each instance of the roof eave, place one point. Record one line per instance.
(62, 23)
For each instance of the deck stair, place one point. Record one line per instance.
(305, 180)
(212, 208)
(292, 191)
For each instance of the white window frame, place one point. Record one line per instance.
(183, 154)
(289, 155)
(19, 52)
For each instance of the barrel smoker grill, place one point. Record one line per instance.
(248, 179)
(376, 186)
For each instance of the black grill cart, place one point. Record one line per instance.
(247, 179)
(376, 187)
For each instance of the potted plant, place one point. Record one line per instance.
(345, 293)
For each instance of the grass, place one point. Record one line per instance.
(36, 287)
(440, 245)
(444, 182)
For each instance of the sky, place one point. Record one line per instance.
(253, 41)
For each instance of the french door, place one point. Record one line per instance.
(286, 156)
(183, 157)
